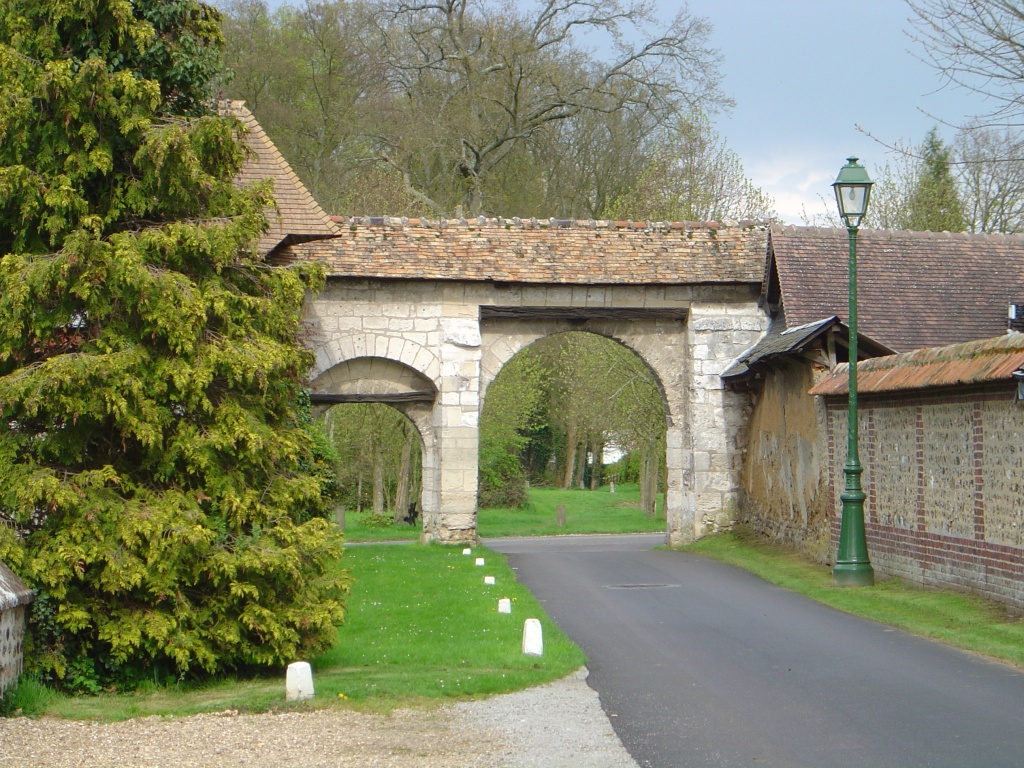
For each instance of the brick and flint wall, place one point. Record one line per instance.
(944, 478)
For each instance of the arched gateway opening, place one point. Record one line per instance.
(574, 410)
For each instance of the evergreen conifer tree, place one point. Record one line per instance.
(935, 202)
(155, 482)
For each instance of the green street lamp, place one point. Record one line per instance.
(852, 568)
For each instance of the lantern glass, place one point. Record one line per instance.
(853, 190)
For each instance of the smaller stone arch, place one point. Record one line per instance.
(372, 379)
(395, 348)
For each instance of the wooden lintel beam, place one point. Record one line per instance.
(325, 398)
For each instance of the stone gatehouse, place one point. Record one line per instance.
(423, 315)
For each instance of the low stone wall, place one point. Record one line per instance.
(14, 596)
(944, 478)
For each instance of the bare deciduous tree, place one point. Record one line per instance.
(480, 79)
(977, 45)
(991, 178)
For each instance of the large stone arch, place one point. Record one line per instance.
(660, 344)
(459, 335)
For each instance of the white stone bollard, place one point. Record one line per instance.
(479, 561)
(298, 681)
(533, 638)
(504, 605)
(488, 579)
(467, 551)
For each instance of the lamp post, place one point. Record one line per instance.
(852, 568)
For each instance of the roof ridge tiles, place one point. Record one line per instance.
(993, 237)
(499, 222)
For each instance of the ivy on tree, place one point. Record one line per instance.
(156, 487)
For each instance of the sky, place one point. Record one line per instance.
(796, 117)
(804, 74)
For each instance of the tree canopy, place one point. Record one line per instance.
(157, 489)
(934, 203)
(977, 45)
(480, 106)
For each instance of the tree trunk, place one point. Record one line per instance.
(570, 458)
(597, 466)
(649, 465)
(581, 469)
(378, 484)
(404, 482)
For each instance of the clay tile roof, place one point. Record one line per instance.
(298, 216)
(914, 290)
(972, 362)
(549, 251)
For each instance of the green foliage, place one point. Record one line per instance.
(692, 176)
(368, 440)
(935, 203)
(488, 107)
(156, 484)
(512, 411)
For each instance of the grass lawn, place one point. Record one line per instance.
(422, 627)
(965, 621)
(597, 511)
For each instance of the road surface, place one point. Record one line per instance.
(698, 663)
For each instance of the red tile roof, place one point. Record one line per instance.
(548, 251)
(973, 362)
(298, 216)
(915, 289)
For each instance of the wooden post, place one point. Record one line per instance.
(560, 513)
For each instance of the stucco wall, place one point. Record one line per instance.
(785, 475)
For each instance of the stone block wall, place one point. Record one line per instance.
(381, 336)
(944, 478)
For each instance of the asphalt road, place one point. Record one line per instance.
(699, 664)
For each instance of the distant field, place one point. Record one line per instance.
(599, 511)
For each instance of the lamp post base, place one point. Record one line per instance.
(853, 575)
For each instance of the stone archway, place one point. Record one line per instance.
(657, 339)
(598, 372)
(373, 379)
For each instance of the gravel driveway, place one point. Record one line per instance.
(559, 725)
